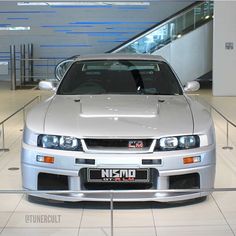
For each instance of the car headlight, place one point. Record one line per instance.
(59, 142)
(186, 142)
(68, 143)
(177, 143)
(169, 143)
(49, 141)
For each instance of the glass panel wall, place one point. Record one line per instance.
(170, 30)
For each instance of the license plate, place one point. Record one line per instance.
(118, 175)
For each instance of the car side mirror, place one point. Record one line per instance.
(191, 86)
(47, 85)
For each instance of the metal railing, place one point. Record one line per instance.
(227, 147)
(228, 121)
(27, 70)
(43, 68)
(4, 149)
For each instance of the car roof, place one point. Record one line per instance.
(119, 56)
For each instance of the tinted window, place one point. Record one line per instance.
(119, 77)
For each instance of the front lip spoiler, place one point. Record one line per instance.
(121, 196)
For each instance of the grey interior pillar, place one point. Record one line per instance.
(31, 63)
(13, 66)
(22, 64)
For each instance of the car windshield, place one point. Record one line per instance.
(119, 77)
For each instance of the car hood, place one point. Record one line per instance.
(118, 116)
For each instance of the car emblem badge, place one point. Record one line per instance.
(135, 144)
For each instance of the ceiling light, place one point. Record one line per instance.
(19, 28)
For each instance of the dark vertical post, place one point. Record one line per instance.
(31, 63)
(13, 66)
(23, 63)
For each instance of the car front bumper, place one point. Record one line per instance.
(170, 166)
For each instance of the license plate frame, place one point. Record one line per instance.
(114, 175)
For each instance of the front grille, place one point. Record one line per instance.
(118, 143)
(85, 185)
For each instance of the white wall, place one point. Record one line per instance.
(191, 55)
(224, 61)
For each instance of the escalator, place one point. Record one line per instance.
(184, 40)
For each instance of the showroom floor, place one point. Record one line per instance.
(215, 216)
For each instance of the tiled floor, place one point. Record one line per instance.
(215, 216)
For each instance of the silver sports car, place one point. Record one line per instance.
(120, 122)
